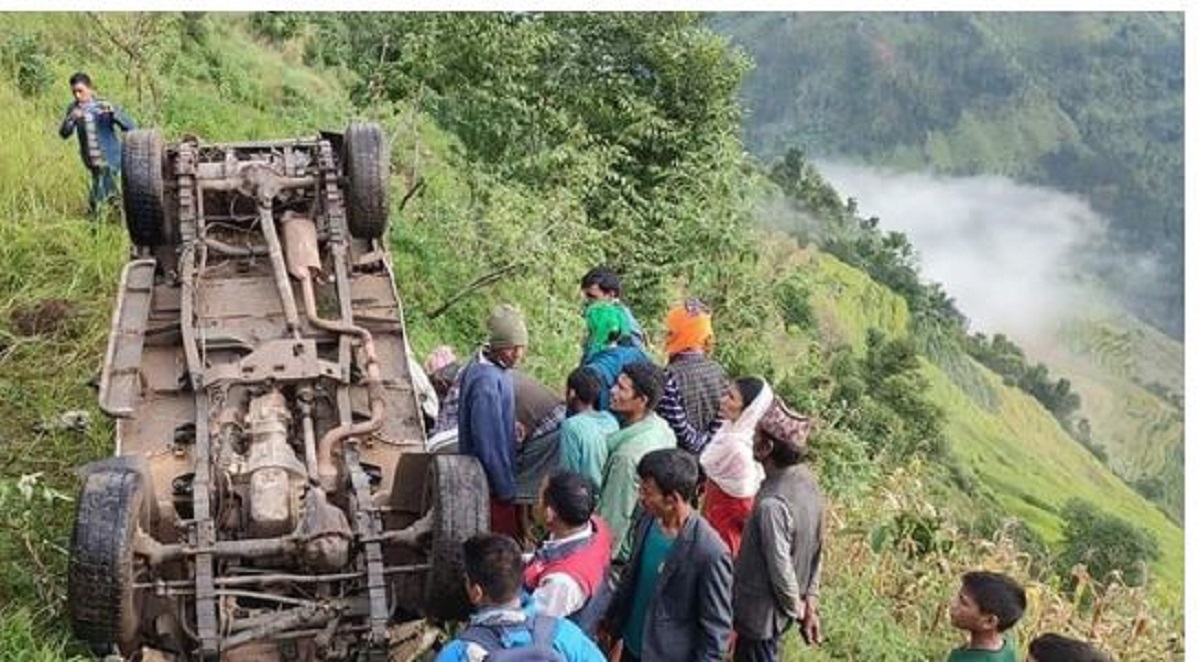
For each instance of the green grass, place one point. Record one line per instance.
(231, 87)
(1020, 453)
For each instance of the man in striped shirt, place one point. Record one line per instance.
(694, 382)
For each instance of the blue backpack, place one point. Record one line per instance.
(541, 649)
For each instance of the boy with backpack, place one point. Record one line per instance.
(501, 629)
(986, 606)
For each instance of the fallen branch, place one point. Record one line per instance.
(478, 283)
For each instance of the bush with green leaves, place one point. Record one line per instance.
(1105, 544)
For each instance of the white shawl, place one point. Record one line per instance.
(728, 459)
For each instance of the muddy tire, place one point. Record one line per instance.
(146, 214)
(105, 612)
(366, 164)
(457, 488)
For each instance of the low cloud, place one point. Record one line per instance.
(1010, 254)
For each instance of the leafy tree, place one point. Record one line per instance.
(1105, 544)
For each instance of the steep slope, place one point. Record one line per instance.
(1129, 376)
(1019, 454)
(971, 93)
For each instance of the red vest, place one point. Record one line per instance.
(586, 563)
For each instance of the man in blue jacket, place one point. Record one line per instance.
(487, 426)
(94, 121)
(502, 628)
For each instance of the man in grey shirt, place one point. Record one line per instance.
(778, 570)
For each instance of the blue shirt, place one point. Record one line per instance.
(106, 117)
(654, 553)
(487, 424)
(569, 640)
(582, 445)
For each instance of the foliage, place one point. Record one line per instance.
(1006, 358)
(518, 166)
(974, 93)
(26, 61)
(1106, 544)
(905, 596)
(635, 114)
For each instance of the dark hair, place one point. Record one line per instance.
(647, 380)
(674, 471)
(603, 277)
(749, 388)
(996, 594)
(1051, 647)
(586, 384)
(80, 77)
(572, 495)
(494, 563)
(786, 454)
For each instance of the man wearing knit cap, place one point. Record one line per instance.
(694, 382)
(777, 573)
(487, 413)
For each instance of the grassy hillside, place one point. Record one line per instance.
(985, 93)
(796, 315)
(1018, 453)
(1129, 376)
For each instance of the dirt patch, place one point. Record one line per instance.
(44, 318)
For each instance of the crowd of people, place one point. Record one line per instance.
(679, 518)
(652, 512)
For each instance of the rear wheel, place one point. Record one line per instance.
(457, 488)
(147, 217)
(366, 163)
(105, 609)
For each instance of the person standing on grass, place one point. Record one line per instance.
(501, 627)
(728, 460)
(694, 382)
(94, 121)
(986, 606)
(487, 424)
(582, 436)
(602, 285)
(567, 576)
(672, 603)
(608, 347)
(638, 388)
(778, 571)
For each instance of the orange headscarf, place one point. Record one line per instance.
(689, 326)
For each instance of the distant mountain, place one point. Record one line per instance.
(1090, 103)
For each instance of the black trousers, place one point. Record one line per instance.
(755, 650)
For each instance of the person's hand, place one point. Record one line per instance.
(604, 640)
(77, 112)
(810, 625)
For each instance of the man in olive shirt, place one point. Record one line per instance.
(638, 388)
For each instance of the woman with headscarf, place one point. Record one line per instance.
(608, 348)
(728, 459)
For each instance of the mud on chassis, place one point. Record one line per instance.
(270, 497)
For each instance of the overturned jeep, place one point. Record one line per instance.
(271, 496)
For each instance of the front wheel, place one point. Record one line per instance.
(105, 608)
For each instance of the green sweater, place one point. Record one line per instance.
(619, 495)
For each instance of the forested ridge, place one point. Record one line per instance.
(526, 149)
(1090, 103)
